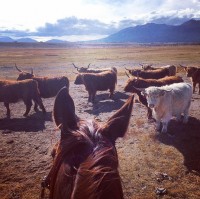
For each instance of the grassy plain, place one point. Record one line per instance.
(144, 154)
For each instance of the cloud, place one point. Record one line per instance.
(75, 26)
(106, 17)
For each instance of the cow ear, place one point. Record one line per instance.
(117, 125)
(64, 111)
(143, 93)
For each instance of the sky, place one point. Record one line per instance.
(77, 20)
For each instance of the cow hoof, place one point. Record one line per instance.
(25, 115)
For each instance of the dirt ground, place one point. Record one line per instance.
(144, 154)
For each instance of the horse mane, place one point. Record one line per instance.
(94, 171)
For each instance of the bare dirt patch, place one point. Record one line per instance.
(144, 154)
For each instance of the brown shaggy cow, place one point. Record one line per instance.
(134, 83)
(48, 86)
(194, 73)
(26, 90)
(97, 82)
(171, 68)
(93, 70)
(150, 74)
(145, 83)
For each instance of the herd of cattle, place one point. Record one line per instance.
(159, 89)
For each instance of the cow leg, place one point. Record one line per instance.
(28, 104)
(164, 127)
(111, 93)
(90, 96)
(165, 122)
(194, 85)
(8, 109)
(38, 101)
(158, 125)
(93, 96)
(149, 113)
(199, 88)
(36, 107)
(186, 112)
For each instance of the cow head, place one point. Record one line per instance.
(81, 69)
(23, 74)
(154, 95)
(146, 67)
(190, 71)
(131, 83)
(79, 79)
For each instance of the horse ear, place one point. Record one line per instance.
(117, 125)
(64, 111)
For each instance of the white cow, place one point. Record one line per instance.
(168, 101)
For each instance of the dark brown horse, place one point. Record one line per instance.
(85, 162)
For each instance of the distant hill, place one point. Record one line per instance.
(26, 40)
(6, 39)
(56, 41)
(151, 33)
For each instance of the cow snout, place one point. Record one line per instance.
(151, 105)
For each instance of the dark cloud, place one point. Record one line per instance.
(75, 26)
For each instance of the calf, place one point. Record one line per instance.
(150, 74)
(171, 68)
(97, 82)
(26, 90)
(93, 70)
(194, 74)
(48, 86)
(168, 101)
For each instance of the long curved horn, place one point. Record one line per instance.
(18, 68)
(88, 65)
(182, 65)
(127, 74)
(139, 89)
(126, 68)
(75, 67)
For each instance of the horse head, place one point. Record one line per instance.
(86, 162)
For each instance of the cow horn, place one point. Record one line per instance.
(127, 74)
(75, 66)
(18, 68)
(139, 89)
(88, 65)
(126, 68)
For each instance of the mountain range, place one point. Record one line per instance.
(188, 32)
(151, 33)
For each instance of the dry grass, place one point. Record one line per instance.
(26, 143)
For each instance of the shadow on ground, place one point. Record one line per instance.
(32, 123)
(103, 104)
(186, 139)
